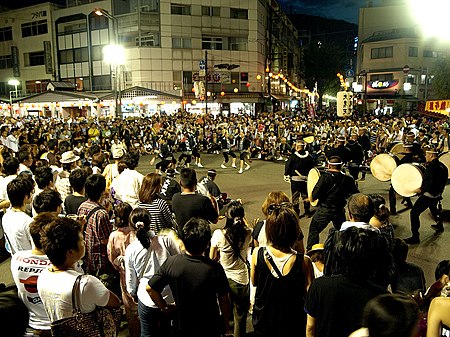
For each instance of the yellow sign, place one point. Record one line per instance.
(439, 106)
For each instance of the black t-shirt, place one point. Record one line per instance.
(72, 203)
(196, 282)
(337, 304)
(187, 206)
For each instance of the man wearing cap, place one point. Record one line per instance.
(332, 190)
(209, 185)
(62, 184)
(296, 171)
(339, 150)
(433, 185)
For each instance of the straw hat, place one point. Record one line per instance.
(68, 157)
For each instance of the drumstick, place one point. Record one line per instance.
(298, 173)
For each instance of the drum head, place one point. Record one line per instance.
(445, 159)
(398, 150)
(313, 178)
(407, 178)
(383, 165)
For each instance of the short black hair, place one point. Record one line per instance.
(23, 155)
(18, 189)
(360, 206)
(132, 159)
(77, 179)
(391, 315)
(188, 177)
(47, 201)
(95, 186)
(14, 315)
(400, 251)
(11, 166)
(43, 176)
(58, 237)
(442, 268)
(196, 235)
(39, 221)
(52, 144)
(358, 252)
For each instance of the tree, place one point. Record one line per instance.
(323, 60)
(441, 83)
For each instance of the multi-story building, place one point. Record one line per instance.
(395, 61)
(168, 46)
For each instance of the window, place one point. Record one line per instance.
(66, 56)
(244, 77)
(382, 77)
(34, 28)
(413, 51)
(213, 43)
(210, 11)
(98, 22)
(81, 55)
(149, 40)
(5, 34)
(237, 13)
(434, 54)
(180, 9)
(5, 62)
(181, 42)
(381, 53)
(97, 53)
(102, 82)
(237, 43)
(72, 27)
(34, 59)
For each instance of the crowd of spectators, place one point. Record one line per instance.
(76, 206)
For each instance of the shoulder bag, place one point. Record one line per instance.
(101, 322)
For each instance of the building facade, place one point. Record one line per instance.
(395, 61)
(230, 45)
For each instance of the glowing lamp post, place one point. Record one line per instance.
(15, 83)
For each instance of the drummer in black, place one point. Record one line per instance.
(296, 171)
(332, 190)
(339, 150)
(434, 181)
(356, 156)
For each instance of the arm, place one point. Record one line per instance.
(112, 253)
(253, 266)
(214, 253)
(224, 304)
(168, 220)
(310, 326)
(130, 274)
(113, 301)
(308, 270)
(434, 320)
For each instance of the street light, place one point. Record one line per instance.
(15, 83)
(114, 55)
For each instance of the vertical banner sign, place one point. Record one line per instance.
(48, 57)
(15, 61)
(202, 68)
(344, 103)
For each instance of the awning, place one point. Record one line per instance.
(141, 92)
(57, 96)
(284, 98)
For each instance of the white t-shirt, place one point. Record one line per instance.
(16, 227)
(127, 186)
(4, 184)
(136, 260)
(26, 268)
(235, 268)
(55, 290)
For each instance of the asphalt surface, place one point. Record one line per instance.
(253, 185)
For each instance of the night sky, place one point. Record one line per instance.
(346, 10)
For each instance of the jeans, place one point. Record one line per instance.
(320, 221)
(154, 323)
(240, 301)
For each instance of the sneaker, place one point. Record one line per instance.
(439, 228)
(240, 171)
(233, 165)
(199, 165)
(413, 240)
(176, 172)
(247, 168)
(223, 166)
(280, 158)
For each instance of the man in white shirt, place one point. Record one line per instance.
(26, 266)
(128, 184)
(13, 141)
(15, 221)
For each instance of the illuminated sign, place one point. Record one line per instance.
(439, 106)
(382, 84)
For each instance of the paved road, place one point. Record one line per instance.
(253, 186)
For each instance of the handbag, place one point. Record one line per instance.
(101, 322)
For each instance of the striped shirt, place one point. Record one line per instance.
(160, 214)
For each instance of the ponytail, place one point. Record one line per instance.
(235, 227)
(140, 220)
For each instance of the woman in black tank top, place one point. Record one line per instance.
(282, 277)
